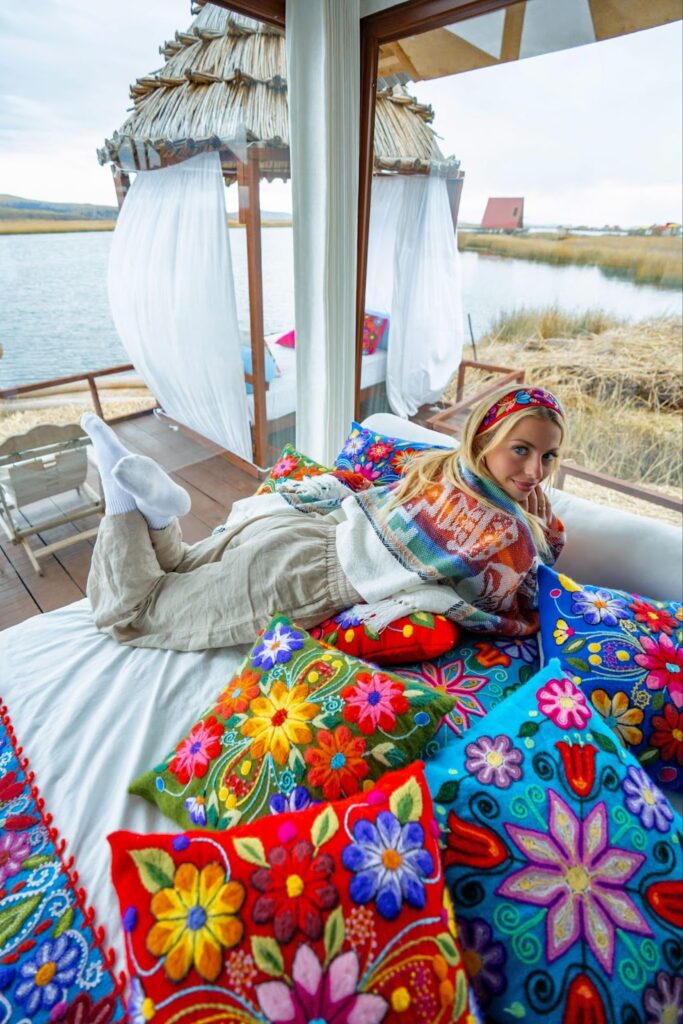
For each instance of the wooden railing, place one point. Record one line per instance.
(570, 468)
(91, 378)
(452, 417)
(448, 418)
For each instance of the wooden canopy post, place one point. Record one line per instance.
(250, 216)
(454, 190)
(121, 184)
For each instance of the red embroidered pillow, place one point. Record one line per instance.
(373, 332)
(418, 637)
(287, 340)
(333, 913)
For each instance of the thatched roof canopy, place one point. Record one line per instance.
(224, 87)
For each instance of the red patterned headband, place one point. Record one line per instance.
(517, 401)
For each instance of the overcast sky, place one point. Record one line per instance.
(590, 135)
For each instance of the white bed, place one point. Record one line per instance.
(281, 393)
(86, 710)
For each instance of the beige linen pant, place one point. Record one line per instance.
(148, 588)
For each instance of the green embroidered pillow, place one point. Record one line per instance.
(300, 722)
(291, 465)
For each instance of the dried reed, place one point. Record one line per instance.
(621, 386)
(643, 258)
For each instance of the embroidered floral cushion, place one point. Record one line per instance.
(478, 673)
(334, 913)
(626, 652)
(291, 465)
(374, 327)
(564, 861)
(53, 962)
(419, 636)
(287, 340)
(379, 458)
(300, 721)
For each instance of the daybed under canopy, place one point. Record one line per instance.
(223, 92)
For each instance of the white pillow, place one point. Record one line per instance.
(605, 547)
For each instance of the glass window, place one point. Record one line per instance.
(548, 162)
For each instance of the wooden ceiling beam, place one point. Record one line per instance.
(272, 12)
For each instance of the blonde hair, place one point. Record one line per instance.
(437, 466)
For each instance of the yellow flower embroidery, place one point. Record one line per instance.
(619, 716)
(194, 920)
(562, 632)
(279, 720)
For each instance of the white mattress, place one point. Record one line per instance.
(281, 393)
(91, 715)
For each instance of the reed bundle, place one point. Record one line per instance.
(620, 384)
(224, 83)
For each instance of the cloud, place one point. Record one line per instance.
(588, 135)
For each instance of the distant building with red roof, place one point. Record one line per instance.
(504, 215)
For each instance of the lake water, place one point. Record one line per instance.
(55, 321)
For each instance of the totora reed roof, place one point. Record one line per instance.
(224, 87)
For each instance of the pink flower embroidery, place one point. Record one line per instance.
(196, 751)
(284, 466)
(564, 705)
(450, 678)
(14, 849)
(368, 470)
(374, 702)
(318, 995)
(665, 663)
(580, 879)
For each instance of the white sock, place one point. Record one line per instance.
(156, 496)
(108, 451)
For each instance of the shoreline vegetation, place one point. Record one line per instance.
(644, 259)
(620, 384)
(40, 226)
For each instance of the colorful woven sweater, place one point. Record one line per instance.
(478, 564)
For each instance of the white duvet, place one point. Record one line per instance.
(91, 715)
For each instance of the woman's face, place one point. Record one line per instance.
(525, 456)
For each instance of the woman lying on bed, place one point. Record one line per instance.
(460, 535)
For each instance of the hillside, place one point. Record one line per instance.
(19, 208)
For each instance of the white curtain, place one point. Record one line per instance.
(323, 68)
(172, 298)
(414, 277)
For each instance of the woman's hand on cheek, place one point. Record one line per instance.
(538, 504)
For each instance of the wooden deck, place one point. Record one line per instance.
(213, 482)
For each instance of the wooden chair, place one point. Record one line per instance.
(44, 462)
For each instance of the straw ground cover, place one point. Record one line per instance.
(642, 258)
(621, 385)
(15, 420)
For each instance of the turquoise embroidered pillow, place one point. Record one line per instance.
(477, 673)
(300, 722)
(378, 458)
(564, 863)
(626, 653)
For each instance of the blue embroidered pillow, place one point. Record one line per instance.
(477, 673)
(564, 862)
(378, 458)
(54, 965)
(626, 652)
